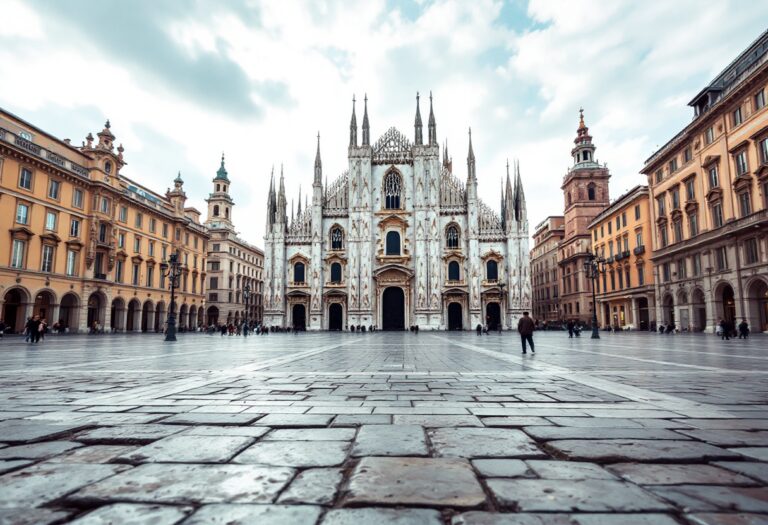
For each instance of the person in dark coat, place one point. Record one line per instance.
(743, 329)
(725, 330)
(33, 329)
(571, 326)
(526, 326)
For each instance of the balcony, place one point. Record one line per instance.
(639, 250)
(101, 276)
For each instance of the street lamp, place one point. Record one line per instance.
(171, 270)
(246, 294)
(501, 285)
(594, 266)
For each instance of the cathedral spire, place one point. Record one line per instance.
(471, 175)
(366, 126)
(503, 199)
(432, 125)
(318, 164)
(417, 124)
(353, 127)
(298, 212)
(521, 212)
(281, 202)
(271, 199)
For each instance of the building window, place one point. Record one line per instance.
(682, 272)
(672, 165)
(613, 280)
(46, 264)
(492, 270)
(74, 228)
(150, 276)
(298, 273)
(137, 244)
(677, 230)
(763, 147)
(693, 225)
(50, 220)
(640, 276)
(637, 212)
(665, 272)
(660, 206)
(741, 163)
(135, 275)
(626, 277)
(165, 231)
(714, 178)
(121, 240)
(639, 238)
(760, 99)
(337, 239)
(336, 273)
(139, 220)
(17, 254)
(71, 262)
(77, 198)
(151, 251)
(392, 243)
(214, 283)
(25, 179)
(392, 190)
(152, 225)
(54, 189)
(119, 269)
(618, 223)
(624, 218)
(452, 237)
(621, 279)
(745, 203)
(594, 235)
(454, 272)
(709, 135)
(104, 205)
(123, 214)
(591, 191)
(751, 253)
(663, 240)
(610, 248)
(659, 176)
(696, 265)
(676, 198)
(690, 189)
(736, 117)
(22, 213)
(717, 215)
(178, 234)
(721, 258)
(687, 155)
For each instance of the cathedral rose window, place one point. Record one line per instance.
(392, 190)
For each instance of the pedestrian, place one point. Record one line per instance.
(33, 330)
(42, 328)
(525, 326)
(743, 329)
(2, 328)
(725, 330)
(570, 329)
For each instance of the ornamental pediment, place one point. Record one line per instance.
(393, 273)
(393, 147)
(491, 254)
(393, 220)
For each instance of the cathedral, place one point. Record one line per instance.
(397, 240)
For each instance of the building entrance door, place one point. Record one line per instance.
(299, 317)
(454, 317)
(393, 309)
(493, 316)
(335, 317)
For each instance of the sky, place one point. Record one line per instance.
(182, 82)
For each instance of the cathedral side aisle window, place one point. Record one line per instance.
(392, 188)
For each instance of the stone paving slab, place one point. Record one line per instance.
(295, 453)
(224, 514)
(31, 516)
(42, 450)
(716, 498)
(756, 471)
(134, 514)
(493, 518)
(502, 468)
(483, 443)
(23, 431)
(382, 516)
(39, 484)
(440, 482)
(188, 483)
(530, 495)
(390, 440)
(311, 434)
(316, 486)
(654, 474)
(617, 450)
(727, 519)
(295, 420)
(552, 432)
(188, 449)
(93, 454)
(8, 465)
(210, 419)
(128, 434)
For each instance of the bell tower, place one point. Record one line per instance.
(220, 202)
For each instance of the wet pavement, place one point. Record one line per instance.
(434, 428)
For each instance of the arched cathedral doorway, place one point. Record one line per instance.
(393, 309)
(299, 317)
(454, 317)
(335, 317)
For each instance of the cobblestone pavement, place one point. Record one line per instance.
(435, 428)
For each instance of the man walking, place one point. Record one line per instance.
(570, 326)
(525, 326)
(743, 329)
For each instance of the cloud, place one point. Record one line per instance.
(182, 82)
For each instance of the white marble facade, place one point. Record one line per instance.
(395, 241)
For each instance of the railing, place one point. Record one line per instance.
(639, 250)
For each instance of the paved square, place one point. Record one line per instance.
(324, 428)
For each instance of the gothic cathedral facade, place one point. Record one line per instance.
(396, 241)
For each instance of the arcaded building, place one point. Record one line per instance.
(545, 271)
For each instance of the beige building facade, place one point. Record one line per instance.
(545, 281)
(234, 265)
(84, 243)
(625, 292)
(709, 195)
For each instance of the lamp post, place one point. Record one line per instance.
(171, 270)
(594, 266)
(502, 309)
(246, 295)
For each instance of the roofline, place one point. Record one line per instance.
(626, 198)
(43, 132)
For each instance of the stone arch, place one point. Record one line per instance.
(757, 304)
(117, 316)
(181, 319)
(668, 309)
(69, 312)
(16, 302)
(45, 305)
(336, 237)
(699, 310)
(97, 307)
(147, 316)
(133, 321)
(212, 316)
(192, 323)
(392, 190)
(725, 302)
(160, 316)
